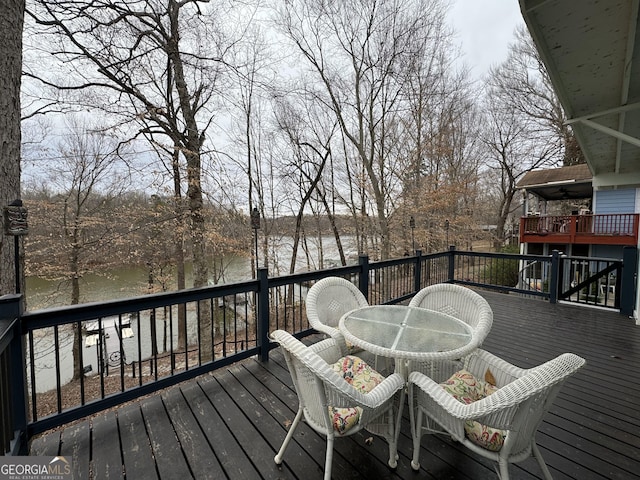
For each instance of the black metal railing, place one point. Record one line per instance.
(590, 280)
(66, 363)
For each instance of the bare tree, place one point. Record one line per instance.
(525, 124)
(153, 70)
(88, 166)
(508, 148)
(310, 133)
(524, 85)
(515, 145)
(86, 174)
(360, 54)
(157, 65)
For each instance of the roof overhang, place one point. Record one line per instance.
(592, 53)
(565, 183)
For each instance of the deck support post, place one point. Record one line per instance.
(417, 272)
(554, 278)
(13, 392)
(452, 263)
(628, 281)
(263, 314)
(363, 281)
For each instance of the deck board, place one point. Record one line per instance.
(107, 460)
(230, 424)
(138, 461)
(233, 458)
(195, 448)
(167, 451)
(200, 452)
(46, 445)
(76, 447)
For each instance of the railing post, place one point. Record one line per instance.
(363, 281)
(12, 377)
(628, 281)
(263, 314)
(417, 275)
(452, 263)
(522, 230)
(554, 280)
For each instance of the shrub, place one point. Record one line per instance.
(503, 271)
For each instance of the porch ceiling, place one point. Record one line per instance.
(591, 51)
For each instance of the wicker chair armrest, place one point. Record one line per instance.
(340, 393)
(382, 392)
(479, 361)
(326, 329)
(438, 396)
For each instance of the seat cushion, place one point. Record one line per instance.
(466, 388)
(363, 378)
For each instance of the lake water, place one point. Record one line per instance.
(119, 283)
(134, 281)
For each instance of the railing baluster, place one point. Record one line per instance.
(172, 358)
(78, 327)
(139, 341)
(32, 368)
(56, 343)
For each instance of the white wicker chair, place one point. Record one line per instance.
(460, 302)
(517, 407)
(329, 299)
(319, 386)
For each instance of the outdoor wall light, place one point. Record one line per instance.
(15, 225)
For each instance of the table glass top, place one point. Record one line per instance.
(404, 329)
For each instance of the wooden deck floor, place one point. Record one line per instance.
(229, 424)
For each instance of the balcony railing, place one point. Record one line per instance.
(609, 229)
(61, 364)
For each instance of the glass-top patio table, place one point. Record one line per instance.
(406, 333)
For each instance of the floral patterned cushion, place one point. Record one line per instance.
(364, 378)
(466, 388)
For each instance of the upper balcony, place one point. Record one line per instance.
(610, 229)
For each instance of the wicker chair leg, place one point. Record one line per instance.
(279, 455)
(504, 469)
(416, 433)
(543, 466)
(392, 440)
(328, 458)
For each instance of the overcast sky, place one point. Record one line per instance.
(485, 29)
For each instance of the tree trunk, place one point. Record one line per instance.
(11, 22)
(192, 144)
(179, 246)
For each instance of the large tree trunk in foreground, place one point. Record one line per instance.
(11, 22)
